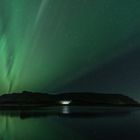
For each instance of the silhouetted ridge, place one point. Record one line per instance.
(98, 98)
(28, 99)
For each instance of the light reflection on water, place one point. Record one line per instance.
(71, 123)
(65, 110)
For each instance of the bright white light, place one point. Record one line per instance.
(65, 102)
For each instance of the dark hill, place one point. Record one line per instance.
(98, 98)
(29, 99)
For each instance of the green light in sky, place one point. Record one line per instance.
(44, 44)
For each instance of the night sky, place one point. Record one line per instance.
(70, 45)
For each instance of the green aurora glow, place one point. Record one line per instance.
(45, 44)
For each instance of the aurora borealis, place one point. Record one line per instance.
(50, 45)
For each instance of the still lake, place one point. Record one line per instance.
(71, 123)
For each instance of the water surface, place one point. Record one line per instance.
(71, 123)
